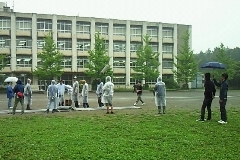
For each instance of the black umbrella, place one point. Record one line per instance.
(214, 65)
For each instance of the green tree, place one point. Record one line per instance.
(222, 57)
(147, 62)
(98, 59)
(187, 66)
(51, 60)
(3, 61)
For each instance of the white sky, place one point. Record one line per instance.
(213, 21)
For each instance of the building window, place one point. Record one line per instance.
(106, 45)
(167, 49)
(5, 41)
(83, 45)
(5, 23)
(167, 32)
(154, 47)
(119, 30)
(133, 63)
(102, 29)
(64, 44)
(136, 31)
(119, 46)
(24, 61)
(23, 24)
(40, 43)
(83, 27)
(134, 46)
(119, 63)
(82, 62)
(152, 31)
(24, 42)
(167, 64)
(64, 26)
(44, 25)
(67, 62)
(118, 80)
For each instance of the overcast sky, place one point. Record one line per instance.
(213, 21)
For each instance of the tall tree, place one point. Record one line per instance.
(98, 59)
(3, 61)
(223, 57)
(51, 60)
(186, 65)
(147, 62)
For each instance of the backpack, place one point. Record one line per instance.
(20, 94)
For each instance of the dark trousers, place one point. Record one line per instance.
(223, 110)
(207, 102)
(100, 104)
(76, 104)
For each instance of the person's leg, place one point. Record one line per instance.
(22, 104)
(223, 111)
(15, 104)
(204, 105)
(107, 105)
(159, 109)
(9, 103)
(48, 106)
(209, 104)
(163, 100)
(138, 98)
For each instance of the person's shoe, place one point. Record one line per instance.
(28, 109)
(135, 104)
(200, 120)
(143, 104)
(208, 119)
(112, 113)
(220, 121)
(223, 122)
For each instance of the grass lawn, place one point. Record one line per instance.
(138, 135)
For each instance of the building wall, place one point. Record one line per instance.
(23, 38)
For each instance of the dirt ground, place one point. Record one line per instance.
(186, 100)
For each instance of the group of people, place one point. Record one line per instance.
(104, 93)
(209, 95)
(23, 95)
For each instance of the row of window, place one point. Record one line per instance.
(82, 45)
(26, 61)
(83, 27)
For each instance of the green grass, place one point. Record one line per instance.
(175, 135)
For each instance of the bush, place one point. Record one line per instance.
(170, 83)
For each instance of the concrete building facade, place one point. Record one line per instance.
(21, 37)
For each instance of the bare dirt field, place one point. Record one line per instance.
(176, 100)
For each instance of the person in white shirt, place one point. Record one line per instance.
(108, 90)
(75, 94)
(85, 94)
(99, 92)
(61, 91)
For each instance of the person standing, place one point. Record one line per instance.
(209, 94)
(75, 92)
(222, 97)
(61, 90)
(28, 94)
(108, 90)
(10, 94)
(52, 93)
(99, 92)
(18, 90)
(139, 93)
(160, 95)
(85, 94)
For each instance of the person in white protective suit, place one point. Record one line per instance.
(85, 94)
(75, 95)
(107, 98)
(28, 94)
(160, 95)
(61, 90)
(52, 93)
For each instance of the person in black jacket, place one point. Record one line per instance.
(139, 89)
(209, 94)
(223, 97)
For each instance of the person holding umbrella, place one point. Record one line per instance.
(10, 94)
(222, 97)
